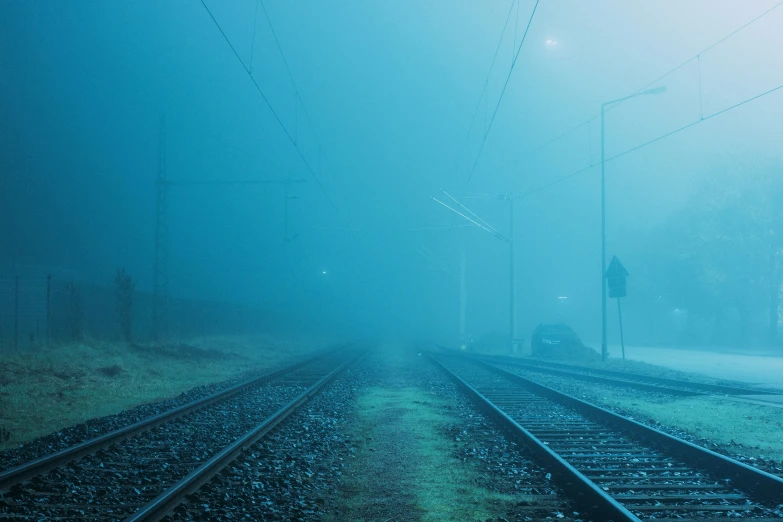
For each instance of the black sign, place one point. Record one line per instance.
(615, 277)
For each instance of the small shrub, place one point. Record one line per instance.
(74, 312)
(123, 297)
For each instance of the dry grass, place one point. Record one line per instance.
(66, 384)
(758, 428)
(722, 420)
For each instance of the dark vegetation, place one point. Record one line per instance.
(717, 262)
(74, 312)
(180, 351)
(123, 295)
(114, 370)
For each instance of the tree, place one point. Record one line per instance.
(723, 252)
(123, 296)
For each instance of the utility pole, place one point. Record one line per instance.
(462, 300)
(604, 350)
(655, 91)
(512, 278)
(285, 212)
(471, 216)
(286, 197)
(160, 283)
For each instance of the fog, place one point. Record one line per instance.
(391, 103)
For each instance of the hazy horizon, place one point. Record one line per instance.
(382, 115)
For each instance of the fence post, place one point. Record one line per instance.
(16, 313)
(48, 309)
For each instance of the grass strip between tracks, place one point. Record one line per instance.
(405, 468)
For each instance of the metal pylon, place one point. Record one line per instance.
(160, 284)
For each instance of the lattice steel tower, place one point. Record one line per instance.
(160, 284)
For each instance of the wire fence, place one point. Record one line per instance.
(40, 310)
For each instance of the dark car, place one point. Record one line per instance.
(547, 337)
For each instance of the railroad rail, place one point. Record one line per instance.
(615, 468)
(142, 471)
(628, 379)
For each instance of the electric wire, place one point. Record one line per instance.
(476, 216)
(650, 142)
(272, 110)
(697, 56)
(293, 82)
(502, 93)
(489, 73)
(436, 227)
(253, 42)
(432, 259)
(494, 233)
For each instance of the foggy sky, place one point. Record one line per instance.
(390, 88)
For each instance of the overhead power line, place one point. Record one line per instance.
(502, 92)
(321, 152)
(272, 110)
(489, 73)
(676, 68)
(466, 209)
(659, 138)
(486, 229)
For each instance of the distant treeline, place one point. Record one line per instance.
(34, 311)
(712, 273)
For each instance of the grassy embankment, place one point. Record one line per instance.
(52, 388)
(758, 428)
(727, 422)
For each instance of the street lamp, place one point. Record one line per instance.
(656, 90)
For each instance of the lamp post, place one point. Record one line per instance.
(657, 90)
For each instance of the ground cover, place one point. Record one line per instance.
(47, 389)
(752, 429)
(737, 427)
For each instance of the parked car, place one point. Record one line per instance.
(547, 337)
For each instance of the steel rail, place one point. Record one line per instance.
(764, 486)
(623, 382)
(625, 376)
(41, 465)
(167, 501)
(584, 492)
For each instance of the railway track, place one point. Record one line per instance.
(613, 467)
(143, 471)
(630, 379)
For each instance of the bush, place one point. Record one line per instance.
(74, 312)
(123, 296)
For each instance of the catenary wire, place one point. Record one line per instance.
(296, 88)
(659, 138)
(502, 92)
(476, 216)
(659, 78)
(489, 73)
(274, 113)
